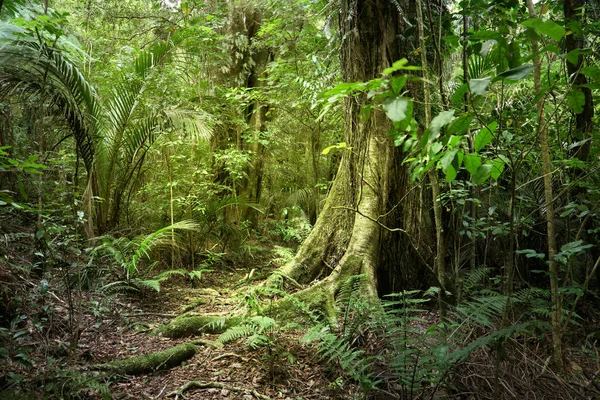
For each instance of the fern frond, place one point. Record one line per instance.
(165, 274)
(236, 332)
(349, 289)
(153, 284)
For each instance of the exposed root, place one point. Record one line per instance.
(137, 365)
(185, 326)
(197, 384)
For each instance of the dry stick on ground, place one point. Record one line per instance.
(197, 384)
(150, 314)
(217, 358)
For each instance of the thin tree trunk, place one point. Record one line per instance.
(550, 219)
(439, 260)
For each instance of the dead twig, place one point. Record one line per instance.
(197, 384)
(222, 356)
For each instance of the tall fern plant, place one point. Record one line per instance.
(112, 136)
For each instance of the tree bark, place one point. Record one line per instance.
(371, 186)
(549, 196)
(575, 41)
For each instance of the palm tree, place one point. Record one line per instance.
(112, 137)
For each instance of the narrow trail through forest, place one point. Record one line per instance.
(230, 371)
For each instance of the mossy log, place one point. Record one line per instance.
(138, 365)
(185, 326)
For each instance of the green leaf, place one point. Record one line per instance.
(485, 136)
(576, 100)
(486, 35)
(447, 159)
(440, 120)
(483, 173)
(400, 65)
(479, 86)
(497, 169)
(397, 108)
(592, 72)
(472, 162)
(460, 125)
(530, 253)
(459, 96)
(341, 145)
(517, 73)
(450, 173)
(398, 83)
(573, 55)
(548, 28)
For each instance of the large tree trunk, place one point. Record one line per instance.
(371, 185)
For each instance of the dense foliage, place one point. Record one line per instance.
(147, 144)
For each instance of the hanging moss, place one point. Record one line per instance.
(185, 326)
(152, 362)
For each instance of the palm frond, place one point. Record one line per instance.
(29, 67)
(197, 124)
(481, 66)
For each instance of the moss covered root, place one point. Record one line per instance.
(166, 359)
(185, 326)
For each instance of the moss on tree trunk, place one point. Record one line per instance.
(370, 188)
(152, 362)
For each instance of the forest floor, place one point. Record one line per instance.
(295, 374)
(286, 369)
(118, 327)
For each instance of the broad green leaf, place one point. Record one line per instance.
(396, 108)
(592, 72)
(435, 148)
(453, 141)
(548, 28)
(573, 55)
(460, 125)
(498, 167)
(483, 173)
(459, 96)
(479, 86)
(517, 73)
(450, 173)
(447, 159)
(458, 159)
(398, 84)
(440, 120)
(400, 65)
(472, 162)
(576, 100)
(485, 136)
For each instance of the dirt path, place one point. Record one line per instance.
(284, 370)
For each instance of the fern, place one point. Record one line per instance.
(197, 273)
(354, 362)
(148, 283)
(236, 332)
(253, 327)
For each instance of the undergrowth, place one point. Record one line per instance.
(404, 350)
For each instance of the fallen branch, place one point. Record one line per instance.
(197, 384)
(150, 314)
(222, 356)
(207, 343)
